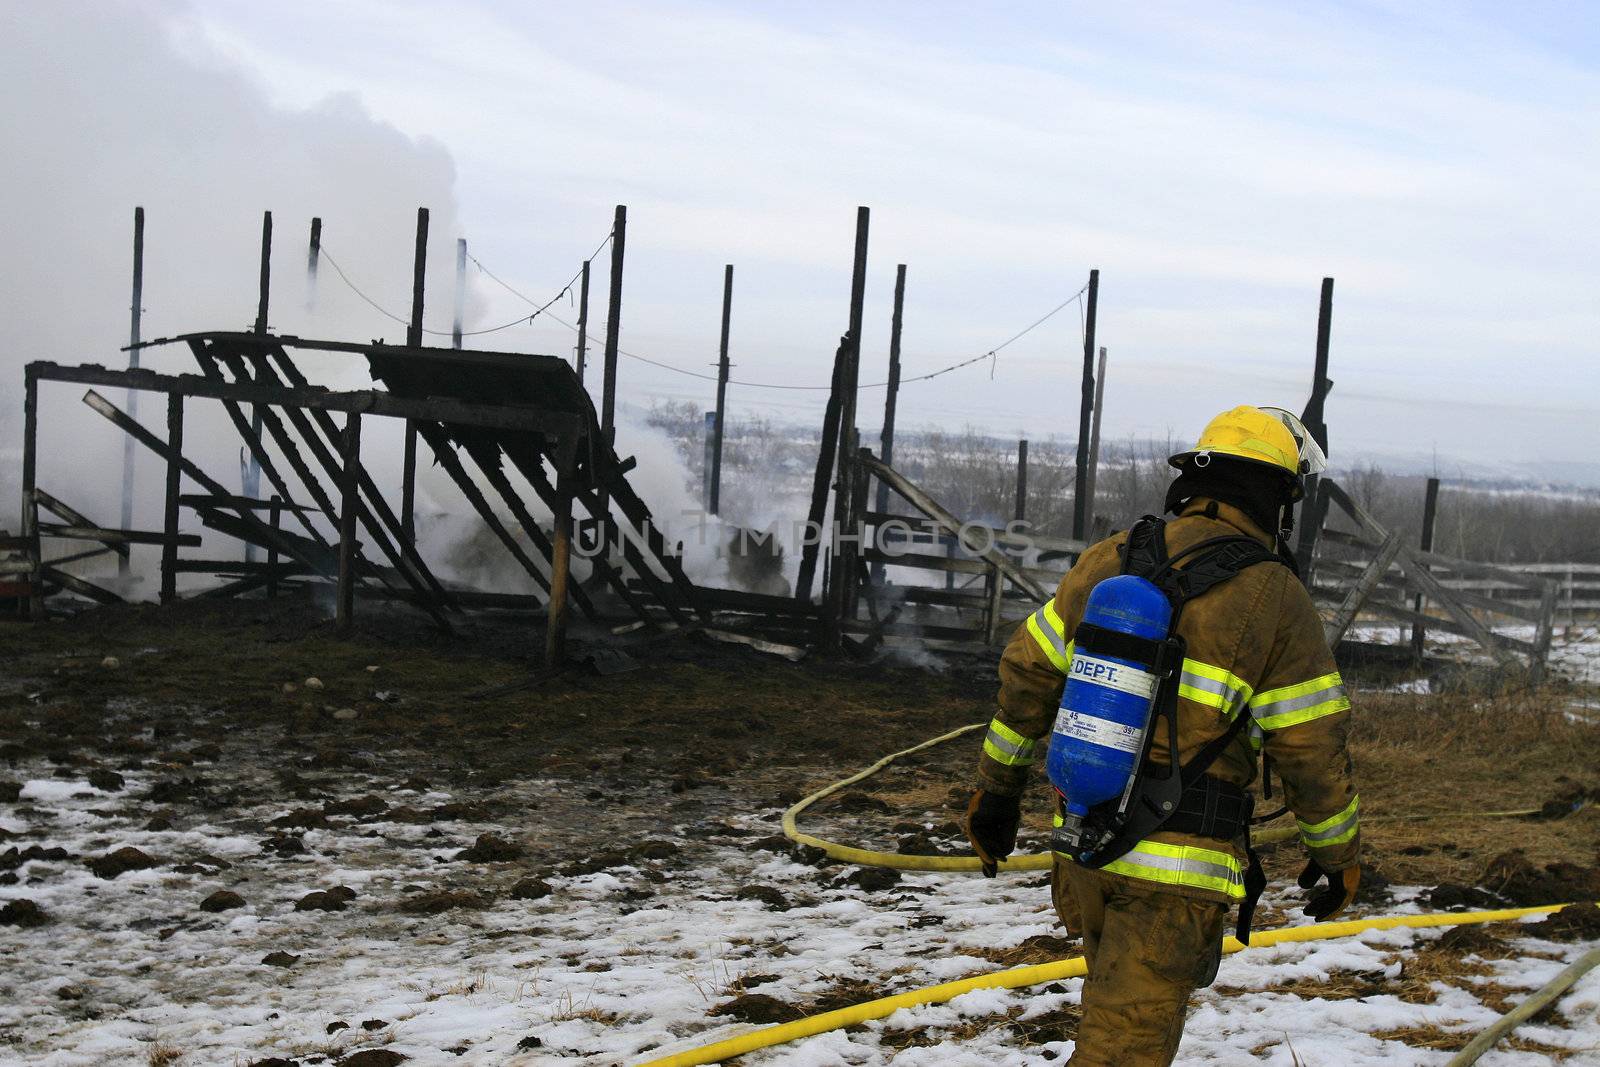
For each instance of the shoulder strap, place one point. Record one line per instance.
(1145, 551)
(1213, 562)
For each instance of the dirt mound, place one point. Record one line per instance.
(1511, 876)
(490, 849)
(772, 898)
(326, 899)
(758, 1008)
(1471, 940)
(121, 861)
(22, 912)
(437, 901)
(222, 900)
(1575, 922)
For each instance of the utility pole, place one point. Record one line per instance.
(135, 312)
(408, 483)
(722, 392)
(313, 254)
(1080, 503)
(461, 291)
(583, 320)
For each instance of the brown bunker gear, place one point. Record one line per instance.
(1255, 647)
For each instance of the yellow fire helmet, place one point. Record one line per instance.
(1267, 435)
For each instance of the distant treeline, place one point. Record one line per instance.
(975, 476)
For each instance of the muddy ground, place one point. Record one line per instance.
(250, 758)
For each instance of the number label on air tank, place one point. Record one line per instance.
(1097, 731)
(1112, 675)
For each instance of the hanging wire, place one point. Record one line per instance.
(518, 321)
(544, 309)
(991, 354)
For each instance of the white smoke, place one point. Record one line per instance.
(112, 105)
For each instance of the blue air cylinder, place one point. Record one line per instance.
(1105, 707)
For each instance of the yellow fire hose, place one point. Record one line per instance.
(1038, 861)
(1036, 974)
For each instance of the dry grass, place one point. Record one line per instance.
(1436, 1039)
(161, 1054)
(567, 1008)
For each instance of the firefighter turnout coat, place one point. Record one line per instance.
(1255, 647)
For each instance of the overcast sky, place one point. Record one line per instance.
(1214, 161)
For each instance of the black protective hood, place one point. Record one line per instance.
(1254, 488)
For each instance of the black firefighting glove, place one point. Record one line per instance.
(1329, 901)
(992, 822)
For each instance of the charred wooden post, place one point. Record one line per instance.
(461, 292)
(252, 479)
(859, 474)
(608, 391)
(265, 291)
(30, 503)
(313, 255)
(583, 321)
(408, 474)
(996, 596)
(708, 435)
(1020, 510)
(169, 525)
(892, 393)
(135, 314)
(815, 535)
(272, 553)
(349, 504)
(715, 502)
(836, 593)
(555, 633)
(1430, 513)
(891, 396)
(1094, 438)
(1080, 501)
(1316, 422)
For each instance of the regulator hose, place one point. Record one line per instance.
(1074, 967)
(1037, 861)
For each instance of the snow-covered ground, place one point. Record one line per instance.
(612, 966)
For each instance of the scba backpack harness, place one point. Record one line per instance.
(1127, 661)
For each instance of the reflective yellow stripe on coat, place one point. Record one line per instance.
(1049, 632)
(1334, 830)
(1005, 745)
(1182, 865)
(1291, 705)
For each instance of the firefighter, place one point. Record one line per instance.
(1152, 920)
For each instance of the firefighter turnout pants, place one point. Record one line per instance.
(1147, 950)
